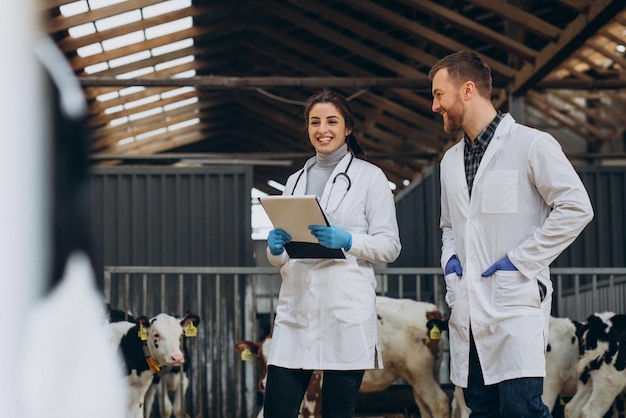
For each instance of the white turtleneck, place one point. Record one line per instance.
(320, 172)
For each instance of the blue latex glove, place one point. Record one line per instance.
(276, 240)
(332, 236)
(503, 264)
(454, 266)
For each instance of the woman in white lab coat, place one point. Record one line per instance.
(501, 229)
(326, 312)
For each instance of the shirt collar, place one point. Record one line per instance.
(484, 137)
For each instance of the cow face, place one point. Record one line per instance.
(165, 335)
(261, 351)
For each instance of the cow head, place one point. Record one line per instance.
(260, 350)
(164, 337)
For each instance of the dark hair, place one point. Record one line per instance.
(466, 66)
(340, 102)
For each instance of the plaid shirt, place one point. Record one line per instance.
(474, 152)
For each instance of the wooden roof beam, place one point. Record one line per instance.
(495, 38)
(572, 37)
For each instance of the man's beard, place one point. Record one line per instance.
(454, 120)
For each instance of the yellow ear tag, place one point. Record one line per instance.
(143, 334)
(191, 330)
(435, 333)
(246, 354)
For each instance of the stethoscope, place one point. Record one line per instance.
(343, 174)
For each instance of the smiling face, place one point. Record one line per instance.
(327, 128)
(448, 101)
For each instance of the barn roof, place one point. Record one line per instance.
(186, 81)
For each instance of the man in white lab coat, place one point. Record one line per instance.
(511, 202)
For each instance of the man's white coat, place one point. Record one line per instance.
(528, 203)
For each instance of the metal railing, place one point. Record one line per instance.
(232, 300)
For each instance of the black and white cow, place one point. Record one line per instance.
(602, 367)
(169, 388)
(145, 346)
(562, 356)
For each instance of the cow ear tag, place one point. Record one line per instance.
(246, 354)
(143, 334)
(191, 330)
(435, 333)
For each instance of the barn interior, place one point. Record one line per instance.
(213, 89)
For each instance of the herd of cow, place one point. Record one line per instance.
(585, 362)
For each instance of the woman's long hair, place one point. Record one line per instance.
(340, 102)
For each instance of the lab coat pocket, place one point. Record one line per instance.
(501, 192)
(513, 289)
(452, 282)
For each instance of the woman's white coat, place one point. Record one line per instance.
(326, 311)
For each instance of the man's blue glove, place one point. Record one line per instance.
(276, 240)
(454, 266)
(332, 236)
(503, 264)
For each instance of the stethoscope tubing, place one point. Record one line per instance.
(343, 173)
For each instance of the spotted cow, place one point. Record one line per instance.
(562, 356)
(145, 346)
(602, 366)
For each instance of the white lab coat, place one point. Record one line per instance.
(528, 203)
(326, 311)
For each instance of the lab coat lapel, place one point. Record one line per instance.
(494, 145)
(460, 177)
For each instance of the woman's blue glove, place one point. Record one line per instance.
(332, 236)
(276, 240)
(454, 266)
(503, 264)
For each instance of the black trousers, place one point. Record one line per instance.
(285, 389)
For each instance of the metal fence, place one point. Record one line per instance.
(232, 303)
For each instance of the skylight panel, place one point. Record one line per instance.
(151, 133)
(99, 4)
(165, 7)
(169, 27)
(89, 50)
(137, 73)
(185, 74)
(142, 101)
(174, 46)
(126, 141)
(72, 9)
(82, 30)
(131, 90)
(174, 63)
(119, 121)
(182, 103)
(145, 114)
(183, 124)
(113, 109)
(127, 59)
(108, 96)
(123, 40)
(118, 20)
(96, 68)
(176, 92)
